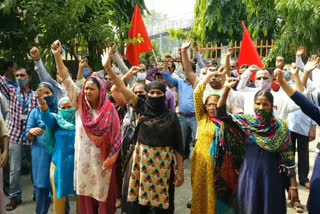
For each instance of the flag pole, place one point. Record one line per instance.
(155, 57)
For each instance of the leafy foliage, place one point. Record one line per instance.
(261, 18)
(218, 21)
(147, 58)
(178, 34)
(299, 27)
(88, 24)
(291, 23)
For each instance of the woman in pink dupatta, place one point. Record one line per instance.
(97, 141)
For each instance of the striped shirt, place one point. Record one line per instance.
(20, 105)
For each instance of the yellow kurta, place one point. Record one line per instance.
(202, 171)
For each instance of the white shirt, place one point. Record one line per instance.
(282, 104)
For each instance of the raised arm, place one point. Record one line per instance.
(306, 105)
(186, 63)
(46, 116)
(196, 50)
(294, 70)
(313, 63)
(82, 63)
(221, 112)
(121, 65)
(166, 76)
(151, 72)
(242, 85)
(44, 76)
(228, 85)
(284, 85)
(132, 72)
(198, 95)
(72, 90)
(227, 63)
(127, 93)
(299, 61)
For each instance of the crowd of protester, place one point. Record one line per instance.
(118, 137)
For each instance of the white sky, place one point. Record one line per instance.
(175, 9)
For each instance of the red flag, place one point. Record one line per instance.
(248, 53)
(137, 27)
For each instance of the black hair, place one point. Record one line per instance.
(95, 82)
(7, 64)
(173, 67)
(244, 66)
(270, 70)
(212, 95)
(195, 60)
(28, 71)
(89, 61)
(194, 67)
(140, 85)
(158, 74)
(264, 93)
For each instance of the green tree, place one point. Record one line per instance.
(300, 27)
(218, 21)
(91, 24)
(262, 18)
(147, 58)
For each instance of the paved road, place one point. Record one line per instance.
(183, 193)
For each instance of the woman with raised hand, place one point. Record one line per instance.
(40, 158)
(60, 143)
(252, 153)
(97, 141)
(158, 141)
(202, 166)
(310, 108)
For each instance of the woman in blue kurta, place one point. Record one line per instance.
(61, 129)
(251, 154)
(310, 108)
(40, 158)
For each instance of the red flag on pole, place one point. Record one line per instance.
(137, 28)
(248, 53)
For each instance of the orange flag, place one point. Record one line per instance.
(248, 53)
(137, 30)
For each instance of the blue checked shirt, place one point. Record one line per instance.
(20, 105)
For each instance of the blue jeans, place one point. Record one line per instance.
(15, 156)
(43, 200)
(189, 130)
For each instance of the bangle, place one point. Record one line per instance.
(228, 86)
(293, 188)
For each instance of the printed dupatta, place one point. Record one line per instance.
(266, 132)
(104, 129)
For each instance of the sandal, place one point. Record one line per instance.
(12, 205)
(298, 207)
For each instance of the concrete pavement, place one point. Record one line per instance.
(183, 193)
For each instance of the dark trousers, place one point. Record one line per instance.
(6, 179)
(119, 177)
(301, 144)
